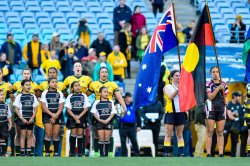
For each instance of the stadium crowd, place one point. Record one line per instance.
(36, 115)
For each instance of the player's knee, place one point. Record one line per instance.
(210, 133)
(219, 132)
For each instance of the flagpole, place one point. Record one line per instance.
(178, 48)
(214, 45)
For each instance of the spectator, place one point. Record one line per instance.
(121, 14)
(102, 63)
(64, 50)
(52, 62)
(232, 125)
(142, 42)
(138, 21)
(125, 43)
(89, 62)
(101, 45)
(118, 62)
(67, 63)
(129, 124)
(238, 29)
(180, 34)
(84, 32)
(189, 30)
(12, 50)
(157, 4)
(6, 67)
(81, 49)
(45, 53)
(55, 43)
(31, 52)
(152, 116)
(200, 128)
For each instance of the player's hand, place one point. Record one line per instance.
(52, 121)
(78, 121)
(9, 127)
(24, 121)
(30, 121)
(76, 117)
(220, 87)
(54, 116)
(138, 129)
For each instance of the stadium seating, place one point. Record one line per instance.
(223, 13)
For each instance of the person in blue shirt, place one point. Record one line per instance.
(129, 124)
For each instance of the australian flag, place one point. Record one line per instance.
(163, 39)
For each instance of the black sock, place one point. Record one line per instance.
(96, 145)
(22, 151)
(28, 150)
(47, 145)
(80, 145)
(3, 146)
(72, 141)
(32, 150)
(56, 145)
(101, 147)
(17, 150)
(111, 140)
(106, 147)
(83, 144)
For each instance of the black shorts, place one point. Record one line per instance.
(19, 122)
(100, 126)
(47, 117)
(176, 119)
(71, 123)
(216, 115)
(27, 127)
(4, 133)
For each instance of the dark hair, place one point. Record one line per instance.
(213, 68)
(52, 78)
(24, 81)
(101, 89)
(1, 90)
(102, 68)
(53, 68)
(136, 7)
(73, 83)
(27, 69)
(1, 69)
(172, 73)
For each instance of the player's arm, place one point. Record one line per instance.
(211, 95)
(170, 94)
(9, 119)
(121, 101)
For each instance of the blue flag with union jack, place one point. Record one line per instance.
(163, 39)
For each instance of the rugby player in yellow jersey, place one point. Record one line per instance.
(17, 87)
(6, 87)
(83, 80)
(113, 90)
(39, 127)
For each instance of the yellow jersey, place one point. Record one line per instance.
(95, 86)
(17, 87)
(6, 87)
(83, 80)
(44, 86)
(50, 63)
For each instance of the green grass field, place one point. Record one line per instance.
(147, 161)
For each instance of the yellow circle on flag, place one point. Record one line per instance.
(191, 58)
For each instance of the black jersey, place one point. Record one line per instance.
(52, 99)
(218, 102)
(103, 109)
(26, 104)
(77, 103)
(5, 113)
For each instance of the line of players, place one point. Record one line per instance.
(43, 105)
